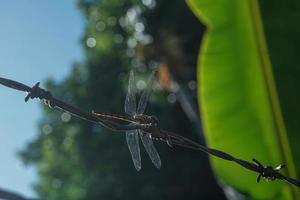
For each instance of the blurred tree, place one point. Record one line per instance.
(80, 160)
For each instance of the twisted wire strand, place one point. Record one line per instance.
(113, 122)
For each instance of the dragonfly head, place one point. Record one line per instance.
(154, 120)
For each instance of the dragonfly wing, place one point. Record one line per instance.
(132, 138)
(145, 96)
(130, 102)
(150, 148)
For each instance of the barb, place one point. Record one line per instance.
(118, 123)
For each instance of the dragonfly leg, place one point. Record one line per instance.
(169, 142)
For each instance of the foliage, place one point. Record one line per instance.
(238, 98)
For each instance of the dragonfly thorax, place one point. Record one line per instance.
(147, 121)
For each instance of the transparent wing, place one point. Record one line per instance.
(145, 96)
(130, 102)
(132, 138)
(151, 150)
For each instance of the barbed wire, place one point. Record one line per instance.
(267, 172)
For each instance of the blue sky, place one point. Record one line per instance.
(38, 40)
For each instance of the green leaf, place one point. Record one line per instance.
(237, 96)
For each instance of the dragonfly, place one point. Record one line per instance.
(146, 125)
(149, 123)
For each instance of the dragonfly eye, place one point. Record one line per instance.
(154, 119)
